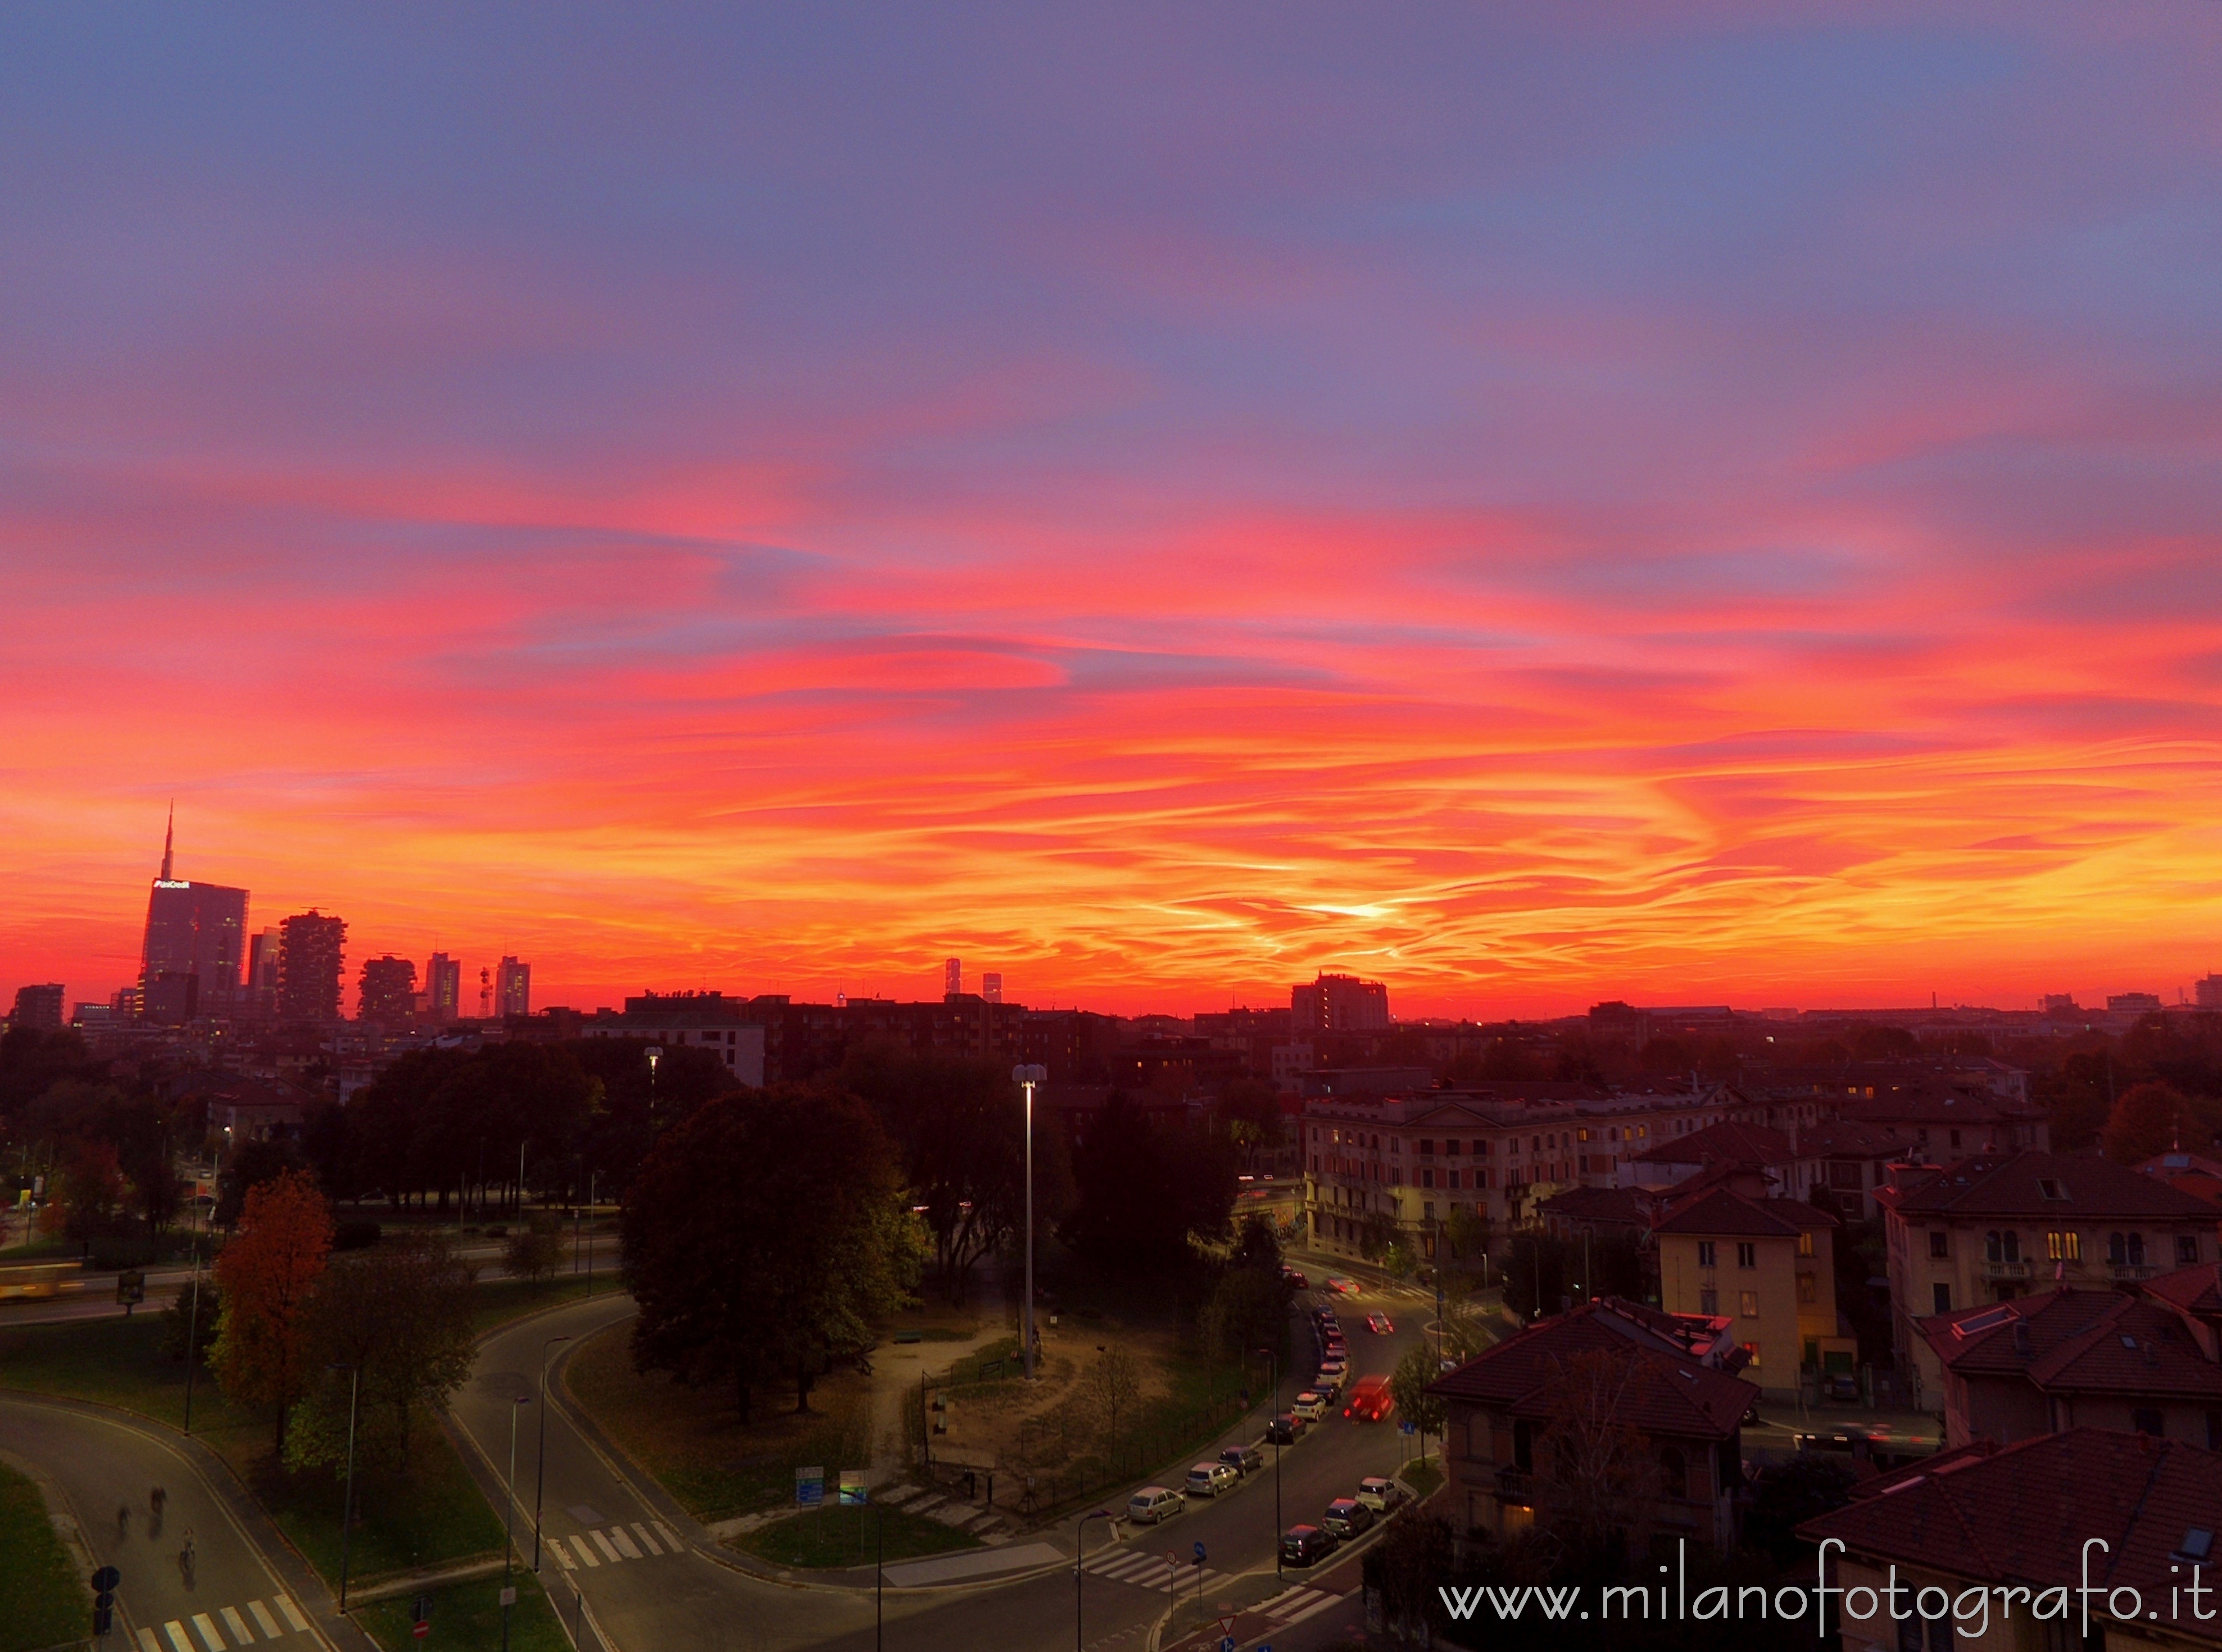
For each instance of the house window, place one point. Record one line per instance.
(1428, 1178)
(2146, 1419)
(1706, 1257)
(1454, 1181)
(1940, 1299)
(1709, 1301)
(1746, 1253)
(2187, 1249)
(1748, 1303)
(1452, 1146)
(1844, 1173)
(1809, 1289)
(2126, 1249)
(1751, 1349)
(1581, 1135)
(2048, 1187)
(2001, 1246)
(2064, 1247)
(1938, 1244)
(1806, 1241)
(1427, 1148)
(1673, 1473)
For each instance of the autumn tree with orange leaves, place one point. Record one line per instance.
(265, 1353)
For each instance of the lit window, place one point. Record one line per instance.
(1806, 1241)
(1748, 1303)
(2064, 1247)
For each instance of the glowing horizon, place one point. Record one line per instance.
(1536, 510)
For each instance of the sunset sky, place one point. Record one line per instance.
(1533, 503)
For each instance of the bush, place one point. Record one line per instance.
(359, 1235)
(178, 1319)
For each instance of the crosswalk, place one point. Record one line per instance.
(613, 1544)
(207, 1636)
(1147, 1570)
(1294, 1605)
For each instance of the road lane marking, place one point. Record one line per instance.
(237, 1625)
(211, 1636)
(176, 1631)
(264, 1620)
(147, 1643)
(665, 1531)
(562, 1554)
(1118, 1564)
(625, 1542)
(603, 1544)
(293, 1614)
(653, 1546)
(585, 1553)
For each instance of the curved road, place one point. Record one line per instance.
(643, 1600)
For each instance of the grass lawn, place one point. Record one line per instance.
(43, 1602)
(693, 1441)
(500, 1301)
(847, 1536)
(467, 1618)
(1423, 1477)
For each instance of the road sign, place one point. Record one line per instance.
(1405, 1427)
(1226, 1644)
(809, 1487)
(422, 1629)
(1226, 1626)
(422, 1611)
(1199, 1554)
(851, 1491)
(106, 1579)
(509, 1596)
(102, 1620)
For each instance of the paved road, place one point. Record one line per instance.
(615, 1534)
(233, 1597)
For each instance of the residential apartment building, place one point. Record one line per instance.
(696, 1020)
(1768, 1267)
(1676, 1160)
(1674, 1391)
(1984, 1229)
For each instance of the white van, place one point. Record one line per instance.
(1154, 1503)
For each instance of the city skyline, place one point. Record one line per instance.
(1532, 508)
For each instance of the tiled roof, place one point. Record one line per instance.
(1730, 1143)
(2021, 1515)
(1720, 1211)
(1629, 1206)
(2076, 1341)
(2008, 1184)
(1937, 1105)
(2195, 1290)
(1667, 1393)
(1852, 1138)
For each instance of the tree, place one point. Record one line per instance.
(535, 1249)
(400, 1316)
(1112, 1384)
(2149, 1119)
(90, 1199)
(253, 1164)
(766, 1233)
(1408, 1385)
(1598, 1469)
(960, 1129)
(1808, 1485)
(182, 1322)
(266, 1275)
(1145, 1189)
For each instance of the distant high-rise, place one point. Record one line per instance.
(2207, 993)
(1340, 1003)
(39, 1007)
(953, 977)
(443, 988)
(991, 987)
(262, 955)
(512, 988)
(387, 991)
(193, 929)
(312, 957)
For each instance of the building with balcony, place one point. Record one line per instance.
(1674, 1396)
(1986, 1229)
(1766, 1265)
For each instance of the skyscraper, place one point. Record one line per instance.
(387, 992)
(312, 956)
(513, 989)
(39, 1007)
(197, 930)
(262, 973)
(953, 977)
(991, 987)
(443, 988)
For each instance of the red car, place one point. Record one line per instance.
(1371, 1401)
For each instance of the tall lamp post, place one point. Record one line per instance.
(1079, 1549)
(1273, 1359)
(540, 1464)
(193, 1318)
(655, 1055)
(1026, 1077)
(509, 1529)
(347, 1502)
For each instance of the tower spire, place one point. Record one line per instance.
(169, 834)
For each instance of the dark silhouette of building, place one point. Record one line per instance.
(39, 1007)
(443, 988)
(192, 929)
(263, 956)
(1340, 1003)
(171, 998)
(387, 991)
(513, 987)
(312, 957)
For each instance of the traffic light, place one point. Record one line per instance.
(103, 1599)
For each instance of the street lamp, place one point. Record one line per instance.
(1273, 1359)
(346, 1504)
(540, 1468)
(193, 1318)
(655, 1055)
(509, 1530)
(1026, 1077)
(1079, 1549)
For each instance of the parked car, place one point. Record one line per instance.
(1371, 1401)
(1209, 1480)
(1311, 1404)
(1331, 1382)
(1154, 1503)
(1378, 1324)
(1346, 1517)
(1378, 1494)
(1305, 1546)
(1284, 1430)
(1245, 1460)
